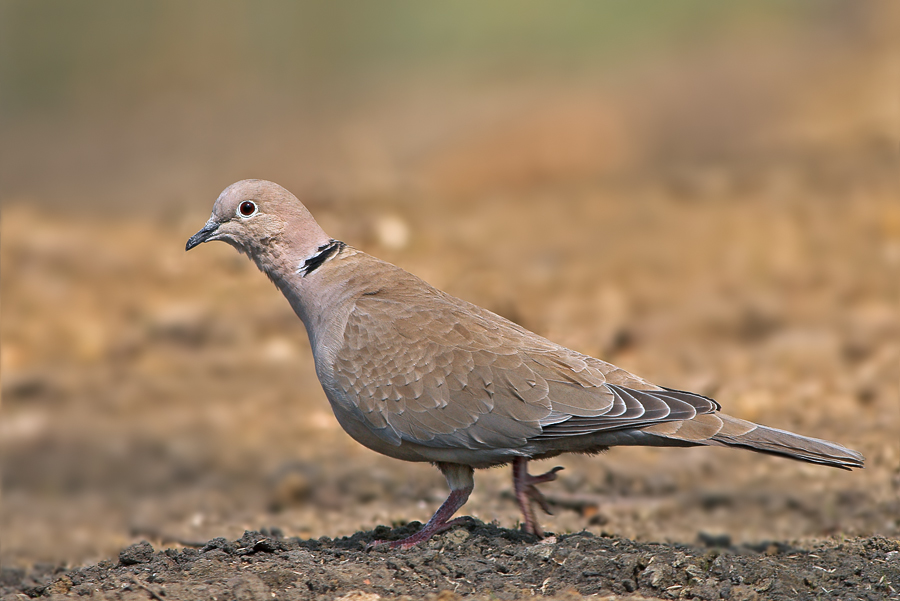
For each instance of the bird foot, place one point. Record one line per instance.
(528, 495)
(421, 536)
(438, 523)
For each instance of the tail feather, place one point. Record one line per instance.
(719, 429)
(787, 444)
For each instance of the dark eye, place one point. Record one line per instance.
(247, 208)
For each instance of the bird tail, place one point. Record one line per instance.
(719, 429)
(763, 439)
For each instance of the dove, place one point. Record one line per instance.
(416, 374)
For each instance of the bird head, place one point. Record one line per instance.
(262, 220)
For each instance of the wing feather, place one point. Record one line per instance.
(431, 369)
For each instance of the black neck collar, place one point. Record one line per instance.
(323, 253)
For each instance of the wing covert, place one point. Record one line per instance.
(438, 371)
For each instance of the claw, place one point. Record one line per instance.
(459, 477)
(539, 498)
(545, 477)
(427, 531)
(528, 495)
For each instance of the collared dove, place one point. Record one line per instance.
(416, 374)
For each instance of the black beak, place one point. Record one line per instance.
(203, 235)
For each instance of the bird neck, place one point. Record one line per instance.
(314, 286)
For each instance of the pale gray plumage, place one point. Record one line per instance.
(417, 374)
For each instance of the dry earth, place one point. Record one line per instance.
(480, 561)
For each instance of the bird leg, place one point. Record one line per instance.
(462, 482)
(527, 493)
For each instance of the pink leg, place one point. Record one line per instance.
(527, 493)
(461, 481)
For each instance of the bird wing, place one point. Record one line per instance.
(425, 367)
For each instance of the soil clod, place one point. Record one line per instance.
(481, 561)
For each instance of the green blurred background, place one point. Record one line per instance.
(147, 104)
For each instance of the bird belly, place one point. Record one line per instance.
(364, 435)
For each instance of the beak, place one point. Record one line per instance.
(203, 235)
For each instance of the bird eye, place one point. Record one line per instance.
(247, 209)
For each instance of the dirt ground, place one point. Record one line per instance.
(479, 561)
(153, 395)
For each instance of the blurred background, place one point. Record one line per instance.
(703, 193)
